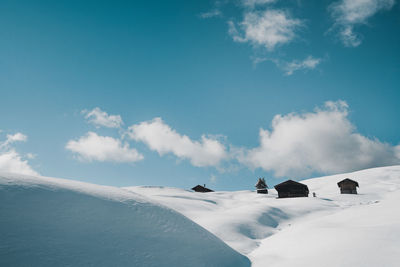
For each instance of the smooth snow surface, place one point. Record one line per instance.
(56, 222)
(328, 230)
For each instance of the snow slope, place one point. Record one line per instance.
(329, 230)
(56, 222)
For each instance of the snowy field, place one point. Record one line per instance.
(56, 222)
(329, 230)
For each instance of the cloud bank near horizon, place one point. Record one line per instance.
(11, 160)
(323, 141)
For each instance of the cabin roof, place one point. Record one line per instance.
(290, 183)
(347, 180)
(261, 184)
(201, 188)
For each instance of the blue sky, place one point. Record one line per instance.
(187, 92)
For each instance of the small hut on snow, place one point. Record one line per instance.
(291, 188)
(348, 186)
(202, 189)
(261, 186)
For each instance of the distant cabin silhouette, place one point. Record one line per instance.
(291, 188)
(202, 189)
(348, 186)
(261, 186)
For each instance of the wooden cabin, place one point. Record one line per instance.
(348, 186)
(291, 188)
(261, 186)
(202, 189)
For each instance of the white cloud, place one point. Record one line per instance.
(323, 141)
(100, 118)
(350, 13)
(257, 60)
(18, 137)
(348, 37)
(211, 14)
(269, 28)
(30, 155)
(12, 138)
(215, 12)
(93, 147)
(308, 63)
(10, 159)
(161, 138)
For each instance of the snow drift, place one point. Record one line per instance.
(56, 222)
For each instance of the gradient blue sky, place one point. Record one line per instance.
(192, 64)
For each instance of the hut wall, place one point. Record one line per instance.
(348, 188)
(292, 194)
(262, 191)
(292, 191)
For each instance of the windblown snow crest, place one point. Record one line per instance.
(56, 222)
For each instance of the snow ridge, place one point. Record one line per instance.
(56, 222)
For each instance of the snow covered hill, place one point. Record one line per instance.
(328, 230)
(56, 222)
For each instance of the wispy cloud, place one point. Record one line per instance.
(11, 160)
(215, 11)
(308, 63)
(323, 141)
(160, 137)
(269, 28)
(350, 13)
(289, 67)
(101, 118)
(93, 147)
(12, 138)
(257, 60)
(211, 14)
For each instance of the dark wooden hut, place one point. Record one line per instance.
(261, 186)
(202, 189)
(291, 188)
(348, 186)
